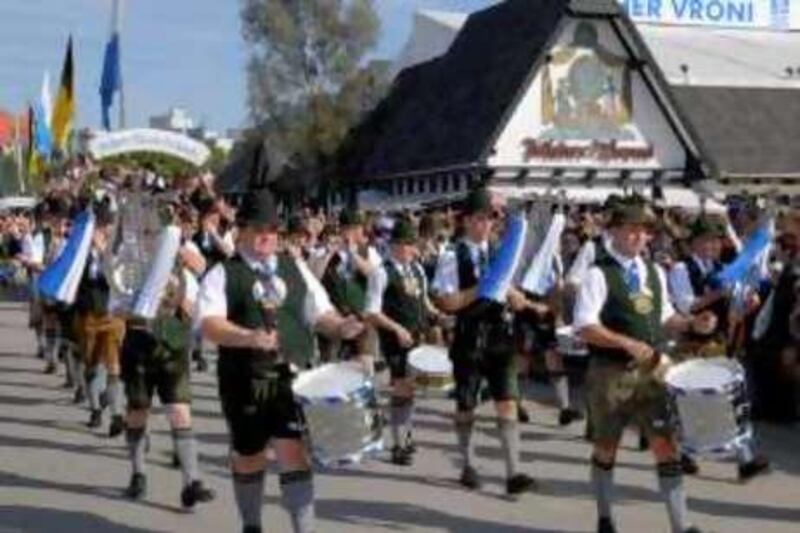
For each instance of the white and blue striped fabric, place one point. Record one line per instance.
(60, 280)
(540, 275)
(148, 297)
(498, 278)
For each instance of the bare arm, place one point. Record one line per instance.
(453, 303)
(225, 333)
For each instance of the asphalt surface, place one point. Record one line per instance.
(57, 476)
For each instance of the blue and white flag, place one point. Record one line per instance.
(750, 257)
(540, 275)
(497, 280)
(148, 297)
(60, 280)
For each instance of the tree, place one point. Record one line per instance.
(308, 78)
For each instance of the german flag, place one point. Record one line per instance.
(64, 110)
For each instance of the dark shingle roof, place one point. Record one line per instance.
(449, 111)
(747, 131)
(446, 111)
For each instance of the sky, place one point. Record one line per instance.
(186, 53)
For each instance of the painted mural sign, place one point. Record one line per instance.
(764, 14)
(587, 106)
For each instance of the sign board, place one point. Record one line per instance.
(148, 140)
(587, 108)
(761, 14)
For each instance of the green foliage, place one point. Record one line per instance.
(308, 79)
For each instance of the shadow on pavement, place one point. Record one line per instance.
(20, 519)
(364, 516)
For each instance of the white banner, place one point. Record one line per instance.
(148, 140)
(764, 14)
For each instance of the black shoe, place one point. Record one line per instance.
(470, 478)
(411, 446)
(195, 493)
(401, 457)
(251, 529)
(605, 525)
(519, 483)
(689, 466)
(523, 417)
(644, 444)
(79, 397)
(202, 365)
(176, 461)
(757, 466)
(95, 419)
(68, 384)
(50, 369)
(116, 427)
(693, 530)
(137, 487)
(568, 416)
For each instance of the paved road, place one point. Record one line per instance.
(58, 477)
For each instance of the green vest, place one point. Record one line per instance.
(297, 342)
(405, 308)
(348, 294)
(626, 313)
(297, 337)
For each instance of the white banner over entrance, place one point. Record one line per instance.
(148, 140)
(762, 14)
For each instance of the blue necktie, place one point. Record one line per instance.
(632, 278)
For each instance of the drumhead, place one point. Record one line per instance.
(716, 374)
(333, 380)
(565, 331)
(430, 359)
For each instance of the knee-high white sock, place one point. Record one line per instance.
(670, 484)
(297, 493)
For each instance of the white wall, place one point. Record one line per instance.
(651, 126)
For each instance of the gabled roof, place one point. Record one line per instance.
(447, 112)
(749, 132)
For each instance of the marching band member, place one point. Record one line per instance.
(98, 332)
(255, 335)
(345, 277)
(693, 290)
(623, 313)
(481, 349)
(399, 308)
(156, 359)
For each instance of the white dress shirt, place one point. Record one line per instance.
(593, 291)
(446, 280)
(680, 285)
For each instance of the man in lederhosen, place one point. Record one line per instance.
(241, 309)
(623, 313)
(345, 277)
(483, 346)
(155, 359)
(398, 306)
(693, 290)
(99, 333)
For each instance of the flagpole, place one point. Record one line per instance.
(18, 154)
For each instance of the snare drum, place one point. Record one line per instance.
(431, 368)
(709, 398)
(341, 410)
(569, 344)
